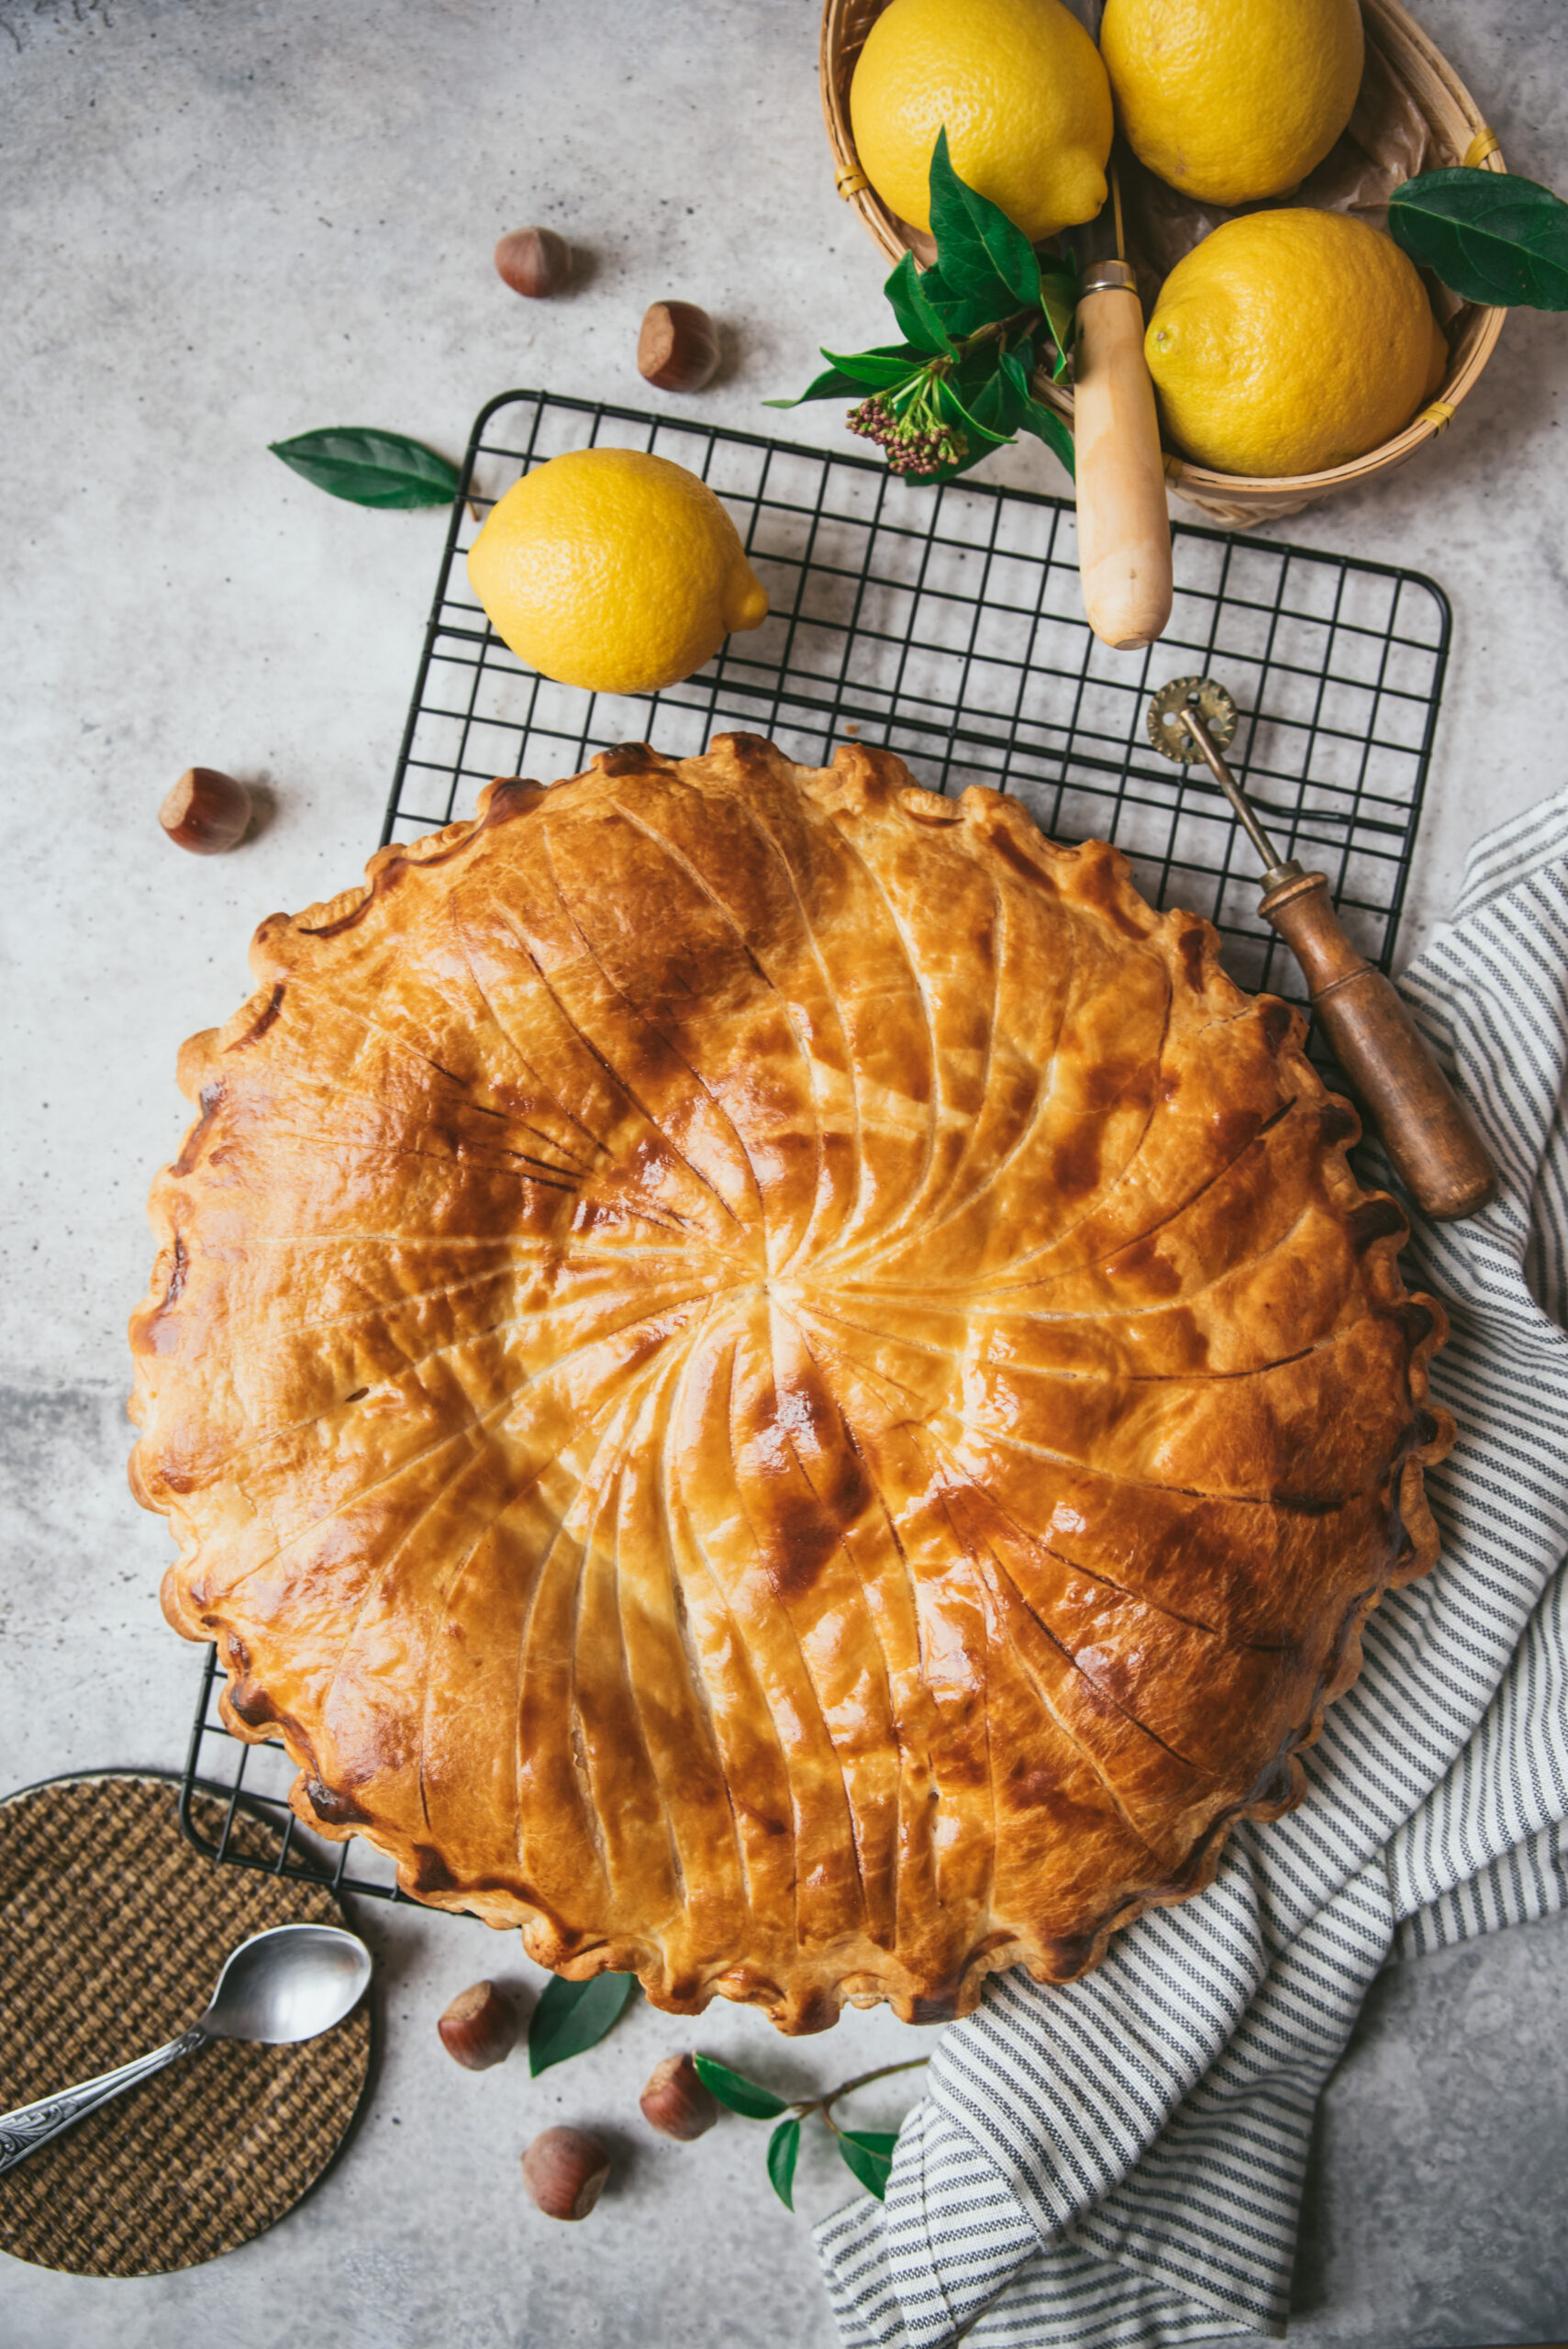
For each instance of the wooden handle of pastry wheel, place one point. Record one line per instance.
(1436, 1151)
(1124, 523)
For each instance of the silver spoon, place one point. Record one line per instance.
(290, 1984)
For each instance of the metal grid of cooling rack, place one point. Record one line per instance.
(256, 1779)
(948, 626)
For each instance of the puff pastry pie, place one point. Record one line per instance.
(772, 1379)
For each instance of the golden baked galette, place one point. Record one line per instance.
(772, 1379)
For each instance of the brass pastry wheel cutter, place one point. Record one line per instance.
(1427, 1132)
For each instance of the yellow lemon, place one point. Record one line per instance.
(1019, 85)
(1230, 100)
(613, 570)
(1289, 341)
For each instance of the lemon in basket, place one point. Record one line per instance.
(1230, 100)
(1022, 93)
(1290, 342)
(613, 570)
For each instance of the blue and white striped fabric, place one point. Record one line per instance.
(1120, 2161)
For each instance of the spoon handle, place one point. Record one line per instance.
(31, 2125)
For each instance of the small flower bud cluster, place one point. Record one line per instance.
(915, 444)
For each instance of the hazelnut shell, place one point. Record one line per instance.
(564, 2171)
(677, 349)
(206, 812)
(479, 2026)
(675, 2102)
(534, 261)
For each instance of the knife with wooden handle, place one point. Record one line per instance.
(1124, 523)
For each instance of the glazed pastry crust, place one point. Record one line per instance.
(772, 1379)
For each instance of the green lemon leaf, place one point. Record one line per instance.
(978, 367)
(954, 412)
(918, 320)
(963, 313)
(1489, 235)
(977, 245)
(572, 2015)
(1018, 373)
(1036, 418)
(995, 406)
(1059, 300)
(1047, 426)
(784, 2148)
(740, 2095)
(858, 371)
(879, 369)
(868, 2152)
(370, 467)
(832, 383)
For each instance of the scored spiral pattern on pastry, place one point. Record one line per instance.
(772, 1378)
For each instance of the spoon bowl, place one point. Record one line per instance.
(291, 1983)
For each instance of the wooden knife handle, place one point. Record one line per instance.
(1124, 523)
(1427, 1134)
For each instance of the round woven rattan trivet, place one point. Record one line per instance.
(113, 1929)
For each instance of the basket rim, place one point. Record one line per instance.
(1394, 22)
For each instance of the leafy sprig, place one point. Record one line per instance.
(867, 2152)
(977, 325)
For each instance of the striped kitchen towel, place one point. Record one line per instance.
(1120, 2161)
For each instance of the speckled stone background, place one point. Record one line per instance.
(227, 221)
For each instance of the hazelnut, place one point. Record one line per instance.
(534, 261)
(479, 2026)
(205, 812)
(678, 347)
(564, 2171)
(675, 2102)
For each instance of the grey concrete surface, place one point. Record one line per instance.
(1439, 2187)
(227, 223)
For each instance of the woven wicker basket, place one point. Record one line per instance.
(1409, 89)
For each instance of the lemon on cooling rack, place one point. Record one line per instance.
(614, 570)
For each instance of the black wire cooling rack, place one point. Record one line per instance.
(946, 625)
